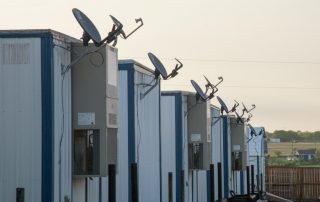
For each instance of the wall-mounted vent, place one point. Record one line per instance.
(18, 53)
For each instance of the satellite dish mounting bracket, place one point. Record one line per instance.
(117, 30)
(213, 88)
(175, 70)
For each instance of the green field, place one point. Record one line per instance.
(287, 148)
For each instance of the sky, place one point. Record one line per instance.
(268, 51)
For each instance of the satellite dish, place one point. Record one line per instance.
(252, 131)
(261, 132)
(223, 105)
(161, 70)
(89, 30)
(200, 93)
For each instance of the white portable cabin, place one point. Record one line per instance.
(139, 132)
(37, 99)
(234, 151)
(178, 116)
(35, 115)
(239, 155)
(256, 156)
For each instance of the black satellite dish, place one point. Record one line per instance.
(261, 132)
(223, 105)
(89, 30)
(252, 131)
(200, 93)
(161, 70)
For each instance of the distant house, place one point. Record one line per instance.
(306, 154)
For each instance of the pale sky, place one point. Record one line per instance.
(268, 51)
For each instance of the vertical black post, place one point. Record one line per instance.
(248, 180)
(170, 194)
(212, 183)
(112, 183)
(134, 182)
(261, 182)
(252, 179)
(219, 182)
(258, 182)
(20, 195)
(182, 185)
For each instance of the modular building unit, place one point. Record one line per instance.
(95, 120)
(234, 156)
(139, 132)
(238, 155)
(256, 156)
(35, 116)
(180, 118)
(217, 151)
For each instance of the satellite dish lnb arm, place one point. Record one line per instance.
(214, 87)
(236, 104)
(113, 34)
(137, 21)
(175, 71)
(253, 107)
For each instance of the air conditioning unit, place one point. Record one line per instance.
(238, 145)
(94, 110)
(199, 134)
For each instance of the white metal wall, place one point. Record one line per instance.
(62, 123)
(122, 179)
(224, 166)
(20, 118)
(256, 155)
(147, 122)
(187, 184)
(168, 144)
(216, 132)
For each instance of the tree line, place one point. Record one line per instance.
(296, 136)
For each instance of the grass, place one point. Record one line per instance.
(286, 148)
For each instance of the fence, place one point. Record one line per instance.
(298, 184)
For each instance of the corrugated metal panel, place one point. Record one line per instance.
(187, 184)
(123, 159)
(147, 122)
(202, 186)
(78, 190)
(226, 163)
(62, 124)
(168, 132)
(93, 186)
(217, 152)
(20, 118)
(256, 155)
(175, 154)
